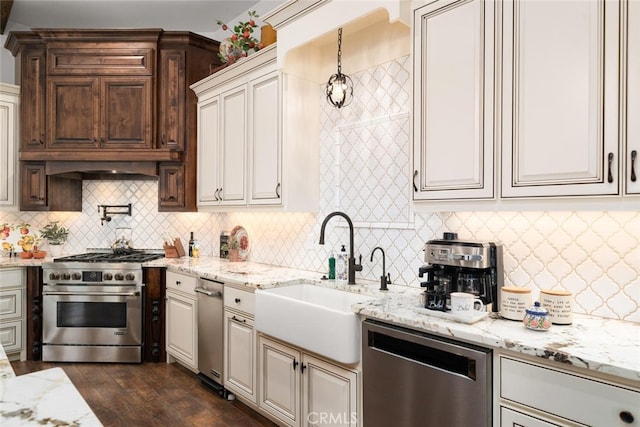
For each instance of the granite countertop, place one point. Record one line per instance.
(46, 397)
(602, 345)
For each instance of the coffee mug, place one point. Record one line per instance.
(465, 304)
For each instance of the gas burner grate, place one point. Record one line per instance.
(110, 257)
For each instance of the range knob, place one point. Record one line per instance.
(107, 276)
(76, 276)
(130, 277)
(119, 276)
(65, 276)
(54, 276)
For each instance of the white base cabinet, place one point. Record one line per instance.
(182, 320)
(240, 365)
(532, 394)
(300, 389)
(13, 311)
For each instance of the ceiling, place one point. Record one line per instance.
(199, 16)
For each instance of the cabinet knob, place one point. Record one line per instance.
(302, 367)
(626, 417)
(178, 283)
(237, 300)
(295, 363)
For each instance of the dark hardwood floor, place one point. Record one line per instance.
(150, 394)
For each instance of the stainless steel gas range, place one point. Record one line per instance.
(93, 308)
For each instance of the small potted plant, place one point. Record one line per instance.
(56, 235)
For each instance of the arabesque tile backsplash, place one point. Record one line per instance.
(594, 254)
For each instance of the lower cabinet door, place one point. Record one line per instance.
(182, 318)
(280, 381)
(329, 394)
(240, 363)
(11, 336)
(511, 418)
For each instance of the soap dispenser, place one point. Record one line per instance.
(332, 266)
(342, 266)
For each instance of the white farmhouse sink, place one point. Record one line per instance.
(312, 317)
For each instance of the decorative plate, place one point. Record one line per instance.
(240, 235)
(16, 237)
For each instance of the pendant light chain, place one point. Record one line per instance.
(339, 88)
(340, 51)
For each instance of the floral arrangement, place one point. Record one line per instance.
(241, 41)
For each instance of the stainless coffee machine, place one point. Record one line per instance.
(461, 266)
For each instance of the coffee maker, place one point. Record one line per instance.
(461, 266)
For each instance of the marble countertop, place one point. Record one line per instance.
(46, 397)
(603, 345)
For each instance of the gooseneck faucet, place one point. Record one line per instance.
(385, 279)
(353, 267)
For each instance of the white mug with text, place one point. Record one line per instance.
(465, 304)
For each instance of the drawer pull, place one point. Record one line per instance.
(626, 417)
(238, 320)
(634, 155)
(237, 300)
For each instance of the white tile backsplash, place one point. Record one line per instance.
(593, 254)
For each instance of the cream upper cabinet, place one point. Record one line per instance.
(9, 108)
(254, 148)
(265, 139)
(222, 142)
(453, 110)
(632, 149)
(233, 118)
(208, 150)
(560, 98)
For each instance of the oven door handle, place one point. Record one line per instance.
(97, 294)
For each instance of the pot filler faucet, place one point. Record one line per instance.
(353, 267)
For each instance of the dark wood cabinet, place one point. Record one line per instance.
(34, 313)
(42, 192)
(99, 112)
(171, 185)
(110, 96)
(154, 314)
(185, 58)
(32, 98)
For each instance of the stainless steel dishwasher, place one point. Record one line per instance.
(412, 378)
(211, 333)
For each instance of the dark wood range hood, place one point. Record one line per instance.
(108, 104)
(103, 163)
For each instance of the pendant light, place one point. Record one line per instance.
(339, 87)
